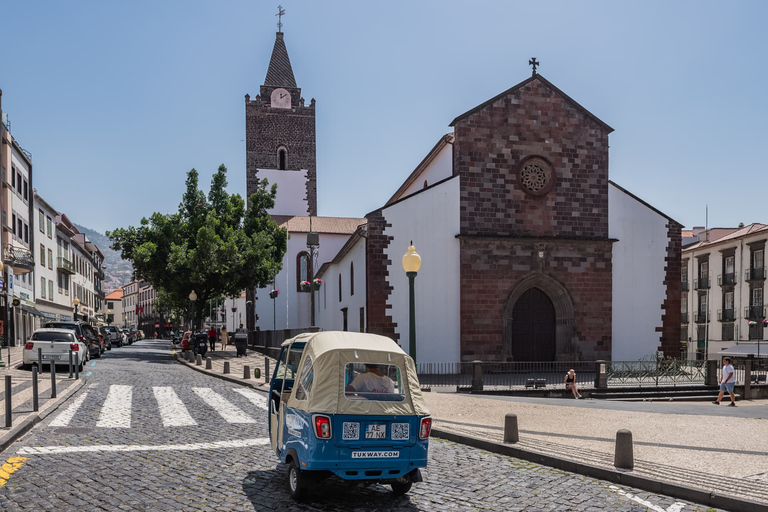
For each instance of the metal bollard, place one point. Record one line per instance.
(226, 367)
(511, 434)
(35, 391)
(199, 360)
(40, 359)
(266, 370)
(77, 367)
(71, 353)
(208, 363)
(8, 404)
(246, 372)
(53, 380)
(623, 457)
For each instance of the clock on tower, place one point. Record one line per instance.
(280, 98)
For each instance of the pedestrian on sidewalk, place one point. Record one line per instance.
(727, 382)
(241, 341)
(570, 383)
(224, 337)
(212, 338)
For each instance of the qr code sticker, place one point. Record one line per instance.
(351, 431)
(400, 432)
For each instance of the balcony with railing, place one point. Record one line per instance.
(701, 317)
(701, 283)
(685, 285)
(755, 274)
(754, 312)
(19, 258)
(726, 315)
(726, 279)
(65, 266)
(684, 317)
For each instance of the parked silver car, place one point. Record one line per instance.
(55, 345)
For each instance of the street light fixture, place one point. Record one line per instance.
(411, 265)
(193, 298)
(76, 302)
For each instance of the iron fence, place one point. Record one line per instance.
(661, 372)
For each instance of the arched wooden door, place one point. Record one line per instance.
(531, 334)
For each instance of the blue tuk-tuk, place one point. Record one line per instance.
(350, 405)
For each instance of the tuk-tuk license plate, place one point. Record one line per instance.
(376, 431)
(383, 454)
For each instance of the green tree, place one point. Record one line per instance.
(213, 246)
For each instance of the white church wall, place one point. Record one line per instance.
(431, 220)
(440, 168)
(638, 275)
(329, 316)
(291, 308)
(291, 191)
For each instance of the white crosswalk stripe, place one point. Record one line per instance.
(63, 419)
(256, 398)
(172, 409)
(116, 411)
(230, 412)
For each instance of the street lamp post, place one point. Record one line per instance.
(411, 265)
(193, 298)
(76, 302)
(234, 308)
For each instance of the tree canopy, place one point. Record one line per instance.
(214, 245)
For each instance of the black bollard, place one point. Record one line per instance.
(266, 370)
(8, 404)
(246, 372)
(53, 379)
(226, 367)
(77, 368)
(70, 363)
(35, 392)
(40, 359)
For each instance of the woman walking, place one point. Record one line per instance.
(224, 337)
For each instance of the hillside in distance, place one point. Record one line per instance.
(118, 272)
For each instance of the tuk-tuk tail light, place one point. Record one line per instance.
(425, 427)
(322, 426)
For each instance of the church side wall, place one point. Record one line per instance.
(330, 302)
(639, 276)
(431, 220)
(438, 169)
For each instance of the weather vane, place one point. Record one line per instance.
(533, 63)
(280, 13)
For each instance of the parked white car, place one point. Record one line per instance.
(55, 345)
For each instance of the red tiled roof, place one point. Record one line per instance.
(115, 295)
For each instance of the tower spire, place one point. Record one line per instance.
(280, 72)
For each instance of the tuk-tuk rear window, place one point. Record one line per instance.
(373, 381)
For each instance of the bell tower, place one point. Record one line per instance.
(280, 138)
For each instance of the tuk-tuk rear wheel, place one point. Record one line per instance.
(400, 489)
(296, 482)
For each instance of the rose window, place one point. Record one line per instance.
(536, 176)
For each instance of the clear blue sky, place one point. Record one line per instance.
(116, 101)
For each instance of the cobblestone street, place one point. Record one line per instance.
(148, 433)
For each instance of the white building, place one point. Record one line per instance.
(130, 303)
(723, 285)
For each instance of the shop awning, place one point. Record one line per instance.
(31, 310)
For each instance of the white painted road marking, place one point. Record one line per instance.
(52, 450)
(63, 419)
(172, 410)
(227, 410)
(675, 507)
(256, 398)
(116, 411)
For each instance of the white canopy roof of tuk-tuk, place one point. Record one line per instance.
(331, 351)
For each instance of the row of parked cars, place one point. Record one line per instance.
(57, 339)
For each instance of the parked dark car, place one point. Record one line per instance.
(83, 332)
(105, 334)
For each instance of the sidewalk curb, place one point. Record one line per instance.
(618, 477)
(25, 426)
(228, 377)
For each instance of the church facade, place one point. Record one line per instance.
(529, 251)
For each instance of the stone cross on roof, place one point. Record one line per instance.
(533, 63)
(280, 14)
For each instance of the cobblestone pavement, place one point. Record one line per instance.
(148, 433)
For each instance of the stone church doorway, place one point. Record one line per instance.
(530, 333)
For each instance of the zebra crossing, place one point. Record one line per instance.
(117, 409)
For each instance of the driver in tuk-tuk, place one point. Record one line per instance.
(372, 381)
